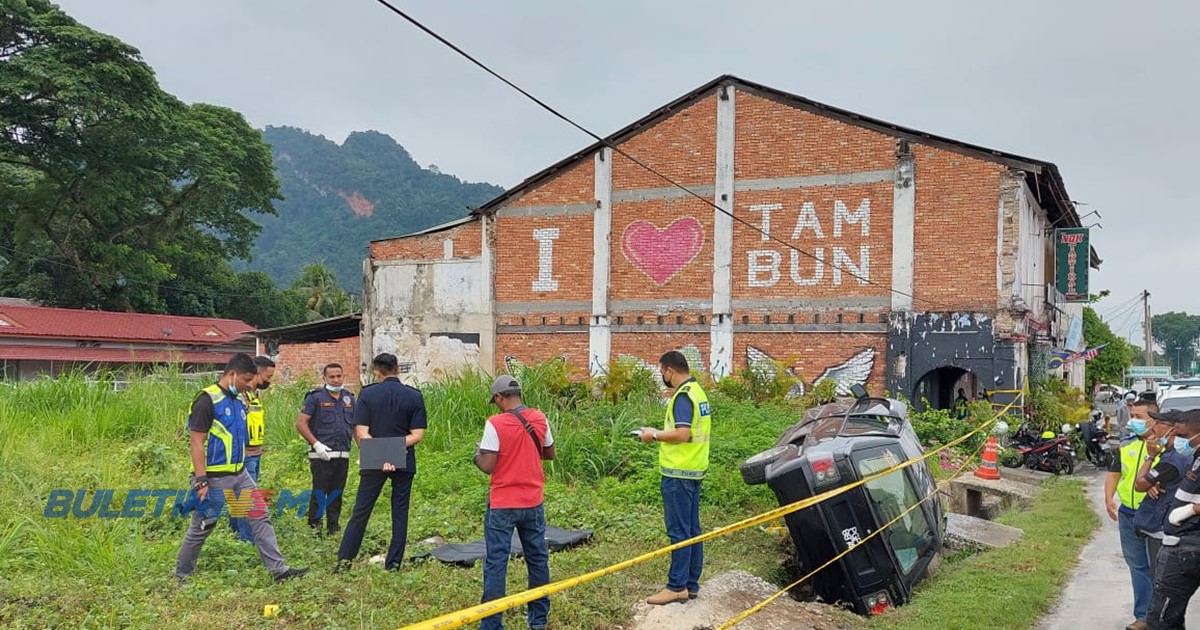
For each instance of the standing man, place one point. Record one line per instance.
(218, 438)
(515, 443)
(256, 429)
(1179, 561)
(683, 461)
(1121, 508)
(961, 405)
(1124, 412)
(388, 408)
(326, 421)
(1159, 483)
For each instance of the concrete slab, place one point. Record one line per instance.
(971, 495)
(968, 532)
(724, 596)
(1024, 475)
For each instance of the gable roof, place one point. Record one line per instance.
(17, 321)
(1043, 177)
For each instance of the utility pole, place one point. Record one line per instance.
(1149, 338)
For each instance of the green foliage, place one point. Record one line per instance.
(1108, 366)
(626, 379)
(761, 383)
(323, 298)
(338, 198)
(116, 195)
(1177, 332)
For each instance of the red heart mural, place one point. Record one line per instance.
(662, 253)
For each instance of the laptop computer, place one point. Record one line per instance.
(373, 453)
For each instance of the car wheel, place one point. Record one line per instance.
(754, 469)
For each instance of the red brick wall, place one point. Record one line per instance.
(662, 247)
(683, 147)
(305, 360)
(650, 346)
(958, 201)
(531, 348)
(775, 140)
(810, 354)
(466, 237)
(518, 265)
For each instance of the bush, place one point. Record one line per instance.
(626, 379)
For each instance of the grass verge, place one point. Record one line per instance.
(1008, 588)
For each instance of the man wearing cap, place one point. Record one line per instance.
(515, 442)
(1178, 574)
(387, 408)
(1122, 499)
(683, 462)
(1159, 482)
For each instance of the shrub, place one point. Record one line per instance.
(626, 379)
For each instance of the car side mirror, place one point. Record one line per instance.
(859, 391)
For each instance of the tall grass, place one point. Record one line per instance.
(75, 434)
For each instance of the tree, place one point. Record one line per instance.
(1108, 366)
(1177, 334)
(322, 296)
(113, 193)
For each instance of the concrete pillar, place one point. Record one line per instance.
(721, 334)
(904, 214)
(366, 326)
(599, 333)
(487, 335)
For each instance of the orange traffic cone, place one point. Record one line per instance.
(987, 467)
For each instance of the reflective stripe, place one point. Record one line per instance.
(1187, 497)
(332, 454)
(225, 444)
(256, 421)
(1131, 456)
(683, 474)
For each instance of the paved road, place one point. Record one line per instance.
(1099, 595)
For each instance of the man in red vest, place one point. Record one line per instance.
(515, 442)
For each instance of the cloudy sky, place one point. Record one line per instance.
(1106, 89)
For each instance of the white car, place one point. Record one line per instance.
(1180, 396)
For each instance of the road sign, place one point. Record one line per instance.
(1148, 371)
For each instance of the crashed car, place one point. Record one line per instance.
(838, 444)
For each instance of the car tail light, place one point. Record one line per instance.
(824, 469)
(878, 602)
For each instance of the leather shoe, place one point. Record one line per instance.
(667, 596)
(1140, 624)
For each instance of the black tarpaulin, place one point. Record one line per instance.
(467, 554)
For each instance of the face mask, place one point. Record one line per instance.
(334, 388)
(666, 381)
(264, 386)
(233, 389)
(1184, 447)
(1137, 426)
(1162, 441)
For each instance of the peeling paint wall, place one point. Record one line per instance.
(919, 343)
(434, 315)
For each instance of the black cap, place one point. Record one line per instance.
(1190, 416)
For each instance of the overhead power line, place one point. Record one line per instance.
(616, 149)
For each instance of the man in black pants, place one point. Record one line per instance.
(1178, 574)
(388, 408)
(326, 422)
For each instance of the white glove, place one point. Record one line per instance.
(321, 450)
(1181, 514)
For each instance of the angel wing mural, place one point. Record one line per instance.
(854, 371)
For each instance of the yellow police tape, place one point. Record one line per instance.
(742, 616)
(460, 618)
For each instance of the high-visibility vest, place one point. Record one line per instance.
(1132, 456)
(225, 444)
(687, 460)
(256, 419)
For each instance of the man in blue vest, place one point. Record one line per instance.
(1178, 574)
(218, 440)
(683, 462)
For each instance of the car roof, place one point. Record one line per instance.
(849, 418)
(1181, 403)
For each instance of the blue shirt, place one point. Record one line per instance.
(682, 411)
(1152, 513)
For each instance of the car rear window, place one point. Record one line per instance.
(1181, 403)
(891, 495)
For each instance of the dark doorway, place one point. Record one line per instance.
(940, 387)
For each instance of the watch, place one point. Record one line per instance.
(654, 436)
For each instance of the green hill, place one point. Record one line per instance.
(338, 198)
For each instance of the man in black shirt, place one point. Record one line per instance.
(1178, 574)
(388, 408)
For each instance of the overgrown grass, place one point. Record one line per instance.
(1008, 588)
(94, 572)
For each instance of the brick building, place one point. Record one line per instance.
(302, 350)
(925, 263)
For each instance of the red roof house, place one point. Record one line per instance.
(39, 340)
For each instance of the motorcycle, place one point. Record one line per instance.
(1097, 448)
(1048, 453)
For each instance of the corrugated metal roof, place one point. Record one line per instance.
(64, 323)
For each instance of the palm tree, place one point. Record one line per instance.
(323, 297)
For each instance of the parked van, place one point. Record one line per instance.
(838, 444)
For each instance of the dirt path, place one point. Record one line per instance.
(1099, 595)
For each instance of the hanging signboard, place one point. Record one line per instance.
(1072, 253)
